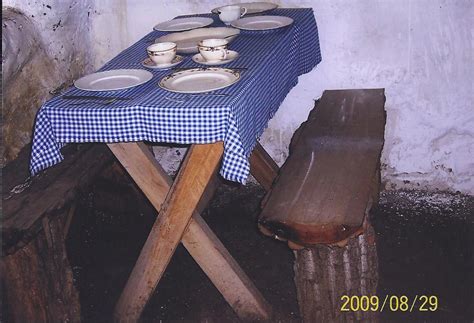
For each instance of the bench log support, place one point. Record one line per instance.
(320, 201)
(38, 278)
(35, 270)
(324, 274)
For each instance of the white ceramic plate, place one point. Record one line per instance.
(262, 22)
(147, 62)
(187, 40)
(182, 24)
(199, 80)
(252, 7)
(113, 80)
(231, 55)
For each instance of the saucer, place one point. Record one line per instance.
(231, 55)
(147, 62)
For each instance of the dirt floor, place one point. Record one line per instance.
(425, 247)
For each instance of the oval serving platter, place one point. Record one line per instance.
(262, 22)
(199, 80)
(187, 40)
(182, 24)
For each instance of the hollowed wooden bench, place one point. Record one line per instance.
(320, 200)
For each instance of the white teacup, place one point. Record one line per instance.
(231, 13)
(213, 50)
(162, 53)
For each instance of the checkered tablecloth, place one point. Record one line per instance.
(273, 59)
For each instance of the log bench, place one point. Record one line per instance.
(36, 275)
(320, 200)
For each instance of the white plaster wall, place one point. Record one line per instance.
(420, 51)
(110, 29)
(120, 23)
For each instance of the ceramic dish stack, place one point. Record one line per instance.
(187, 40)
(251, 7)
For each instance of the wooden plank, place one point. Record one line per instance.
(225, 272)
(212, 186)
(49, 193)
(141, 165)
(323, 188)
(263, 167)
(219, 265)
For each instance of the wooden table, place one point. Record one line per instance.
(179, 204)
(270, 63)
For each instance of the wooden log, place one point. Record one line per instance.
(324, 274)
(38, 279)
(36, 273)
(322, 189)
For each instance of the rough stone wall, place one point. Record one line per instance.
(44, 47)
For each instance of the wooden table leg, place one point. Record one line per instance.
(263, 167)
(200, 241)
(225, 273)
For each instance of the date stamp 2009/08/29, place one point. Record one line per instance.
(393, 303)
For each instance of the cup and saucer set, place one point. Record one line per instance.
(214, 51)
(162, 56)
(211, 52)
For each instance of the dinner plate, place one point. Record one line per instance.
(147, 62)
(182, 24)
(262, 22)
(231, 55)
(187, 40)
(113, 80)
(252, 7)
(199, 80)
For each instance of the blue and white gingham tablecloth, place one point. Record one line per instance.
(274, 59)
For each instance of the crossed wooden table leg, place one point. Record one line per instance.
(178, 204)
